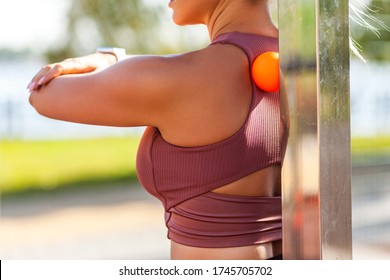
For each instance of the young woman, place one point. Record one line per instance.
(214, 142)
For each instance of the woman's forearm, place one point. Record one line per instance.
(79, 65)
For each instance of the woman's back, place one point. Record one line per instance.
(245, 163)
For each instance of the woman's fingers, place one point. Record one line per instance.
(53, 72)
(45, 75)
(77, 65)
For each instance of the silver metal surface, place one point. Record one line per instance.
(314, 56)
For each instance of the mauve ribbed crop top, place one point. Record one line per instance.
(175, 174)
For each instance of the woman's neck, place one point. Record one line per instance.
(241, 16)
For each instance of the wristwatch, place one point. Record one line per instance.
(118, 52)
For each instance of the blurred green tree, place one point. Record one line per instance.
(129, 24)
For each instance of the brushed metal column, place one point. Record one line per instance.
(314, 54)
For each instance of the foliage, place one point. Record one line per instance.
(122, 23)
(139, 26)
(370, 28)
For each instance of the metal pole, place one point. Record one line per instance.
(314, 54)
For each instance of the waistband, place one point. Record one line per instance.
(214, 220)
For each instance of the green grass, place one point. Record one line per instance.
(370, 143)
(46, 165)
(370, 150)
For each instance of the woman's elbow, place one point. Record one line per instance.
(32, 100)
(38, 104)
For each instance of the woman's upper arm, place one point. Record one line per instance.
(134, 92)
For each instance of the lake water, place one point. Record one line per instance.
(370, 98)
(370, 105)
(18, 120)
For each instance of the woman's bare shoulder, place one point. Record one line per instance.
(206, 67)
(210, 103)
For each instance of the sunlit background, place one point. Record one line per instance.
(69, 191)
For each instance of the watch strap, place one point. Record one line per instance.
(118, 52)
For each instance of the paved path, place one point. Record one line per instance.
(371, 212)
(113, 223)
(124, 222)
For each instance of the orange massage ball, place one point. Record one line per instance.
(265, 71)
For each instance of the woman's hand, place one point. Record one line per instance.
(77, 65)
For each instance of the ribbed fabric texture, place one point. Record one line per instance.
(175, 174)
(218, 221)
